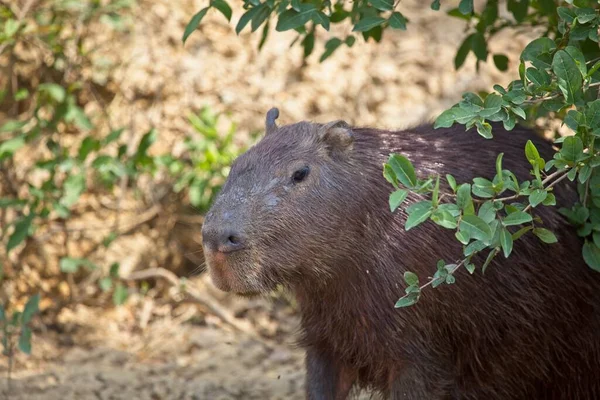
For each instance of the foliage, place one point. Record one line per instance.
(371, 18)
(18, 324)
(558, 79)
(210, 155)
(75, 153)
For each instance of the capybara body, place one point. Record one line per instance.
(307, 208)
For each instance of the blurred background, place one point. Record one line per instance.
(115, 138)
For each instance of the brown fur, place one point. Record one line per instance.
(527, 329)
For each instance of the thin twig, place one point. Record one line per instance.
(554, 96)
(197, 296)
(548, 187)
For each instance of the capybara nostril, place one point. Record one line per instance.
(231, 243)
(222, 240)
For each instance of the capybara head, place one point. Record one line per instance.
(282, 214)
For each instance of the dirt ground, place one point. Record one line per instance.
(151, 349)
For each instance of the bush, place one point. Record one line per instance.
(54, 154)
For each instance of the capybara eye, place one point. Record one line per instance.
(300, 174)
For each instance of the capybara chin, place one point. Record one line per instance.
(307, 208)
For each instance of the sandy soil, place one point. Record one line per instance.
(152, 349)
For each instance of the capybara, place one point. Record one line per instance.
(307, 208)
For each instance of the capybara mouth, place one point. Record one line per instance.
(225, 274)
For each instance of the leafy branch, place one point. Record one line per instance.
(479, 229)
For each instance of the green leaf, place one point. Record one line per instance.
(584, 173)
(550, 200)
(223, 7)
(10, 146)
(506, 242)
(247, 17)
(475, 227)
(404, 170)
(539, 52)
(260, 17)
(114, 270)
(572, 148)
(492, 103)
(591, 255)
(11, 27)
(74, 186)
(88, 145)
(451, 182)
(417, 217)
(579, 59)
(292, 19)
(531, 153)
(499, 166)
(566, 14)
(435, 5)
(397, 198)
(31, 308)
(308, 43)
(397, 21)
(585, 15)
(470, 267)
(21, 231)
(569, 77)
(105, 283)
(113, 136)
(488, 260)
(120, 294)
(444, 120)
(474, 247)
(517, 218)
(479, 46)
(407, 301)
(538, 77)
(462, 52)
(545, 235)
(592, 114)
(484, 129)
(193, 24)
(383, 5)
(483, 188)
(8, 202)
(487, 212)
(321, 19)
(521, 232)
(444, 218)
(462, 237)
(537, 196)
(12, 126)
(71, 265)
(411, 278)
(55, 91)
(464, 199)
(25, 340)
(330, 46)
(501, 62)
(518, 8)
(367, 24)
(465, 6)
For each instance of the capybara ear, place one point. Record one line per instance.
(270, 125)
(337, 136)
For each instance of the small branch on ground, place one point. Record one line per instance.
(198, 297)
